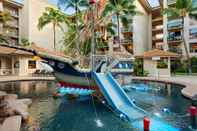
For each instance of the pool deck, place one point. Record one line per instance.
(190, 83)
(25, 78)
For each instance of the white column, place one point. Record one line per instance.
(186, 34)
(1, 9)
(169, 65)
(111, 48)
(23, 66)
(12, 62)
(165, 28)
(150, 40)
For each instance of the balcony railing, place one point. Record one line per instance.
(174, 24)
(193, 48)
(13, 12)
(175, 38)
(176, 50)
(129, 29)
(126, 41)
(171, 2)
(193, 33)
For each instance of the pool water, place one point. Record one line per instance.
(163, 103)
(62, 114)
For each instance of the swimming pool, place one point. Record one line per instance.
(165, 103)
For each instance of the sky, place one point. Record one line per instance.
(154, 3)
(69, 11)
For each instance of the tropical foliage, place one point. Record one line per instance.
(77, 38)
(76, 5)
(182, 9)
(25, 42)
(54, 17)
(122, 9)
(138, 68)
(4, 18)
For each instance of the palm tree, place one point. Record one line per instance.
(77, 5)
(121, 9)
(54, 16)
(4, 18)
(182, 9)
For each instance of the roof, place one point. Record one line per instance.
(158, 53)
(40, 49)
(12, 51)
(46, 53)
(15, 3)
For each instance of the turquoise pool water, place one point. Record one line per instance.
(164, 103)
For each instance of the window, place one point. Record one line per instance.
(31, 64)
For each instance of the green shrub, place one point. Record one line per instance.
(162, 65)
(194, 64)
(138, 68)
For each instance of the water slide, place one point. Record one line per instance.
(116, 97)
(118, 100)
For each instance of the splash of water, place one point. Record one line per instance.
(99, 123)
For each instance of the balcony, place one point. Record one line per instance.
(157, 21)
(175, 25)
(193, 33)
(175, 50)
(175, 40)
(170, 2)
(13, 12)
(126, 41)
(127, 30)
(175, 37)
(193, 47)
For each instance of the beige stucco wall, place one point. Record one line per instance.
(151, 66)
(30, 14)
(141, 30)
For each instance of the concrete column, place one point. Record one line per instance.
(165, 28)
(169, 65)
(111, 48)
(169, 89)
(1, 5)
(186, 34)
(1, 9)
(23, 66)
(12, 66)
(150, 40)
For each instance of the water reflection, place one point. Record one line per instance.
(28, 88)
(61, 114)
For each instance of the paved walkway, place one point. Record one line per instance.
(190, 83)
(25, 78)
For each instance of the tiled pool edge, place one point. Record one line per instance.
(190, 86)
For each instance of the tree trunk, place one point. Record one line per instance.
(186, 49)
(118, 22)
(77, 27)
(54, 36)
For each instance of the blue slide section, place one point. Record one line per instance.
(118, 100)
(116, 97)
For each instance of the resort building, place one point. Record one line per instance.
(24, 26)
(153, 30)
(167, 31)
(29, 14)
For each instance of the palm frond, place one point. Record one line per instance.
(173, 12)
